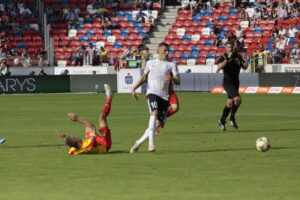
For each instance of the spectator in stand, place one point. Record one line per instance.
(281, 43)
(292, 31)
(4, 68)
(265, 14)
(282, 32)
(72, 18)
(257, 14)
(42, 73)
(139, 3)
(238, 46)
(25, 12)
(148, 5)
(91, 10)
(42, 57)
(282, 12)
(140, 16)
(185, 5)
(115, 4)
(26, 60)
(102, 11)
(108, 23)
(239, 34)
(103, 55)
(275, 32)
(273, 14)
(2, 54)
(295, 55)
(89, 55)
(80, 55)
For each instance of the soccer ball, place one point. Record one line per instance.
(263, 144)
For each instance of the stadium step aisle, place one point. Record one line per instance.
(163, 24)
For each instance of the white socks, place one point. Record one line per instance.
(150, 132)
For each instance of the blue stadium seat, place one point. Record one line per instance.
(291, 41)
(253, 4)
(132, 21)
(298, 27)
(64, 2)
(93, 44)
(233, 11)
(195, 49)
(51, 20)
(210, 55)
(83, 39)
(186, 38)
(17, 33)
(21, 45)
(117, 45)
(119, 14)
(258, 30)
(171, 50)
(184, 56)
(127, 14)
(222, 18)
(208, 43)
(143, 34)
(124, 32)
(209, 25)
(89, 33)
(79, 26)
(207, 13)
(107, 32)
(137, 25)
(5, 27)
(193, 56)
(196, 19)
(198, 14)
(88, 20)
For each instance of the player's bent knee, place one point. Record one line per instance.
(175, 107)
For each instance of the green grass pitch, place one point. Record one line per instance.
(193, 159)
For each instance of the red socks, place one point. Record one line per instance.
(106, 109)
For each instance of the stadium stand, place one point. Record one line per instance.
(20, 38)
(76, 23)
(256, 27)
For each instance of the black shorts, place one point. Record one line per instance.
(232, 90)
(157, 103)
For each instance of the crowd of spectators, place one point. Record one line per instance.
(284, 46)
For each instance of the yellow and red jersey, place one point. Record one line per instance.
(94, 144)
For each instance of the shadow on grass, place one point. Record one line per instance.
(224, 150)
(32, 146)
(229, 131)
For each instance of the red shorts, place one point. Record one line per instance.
(173, 98)
(106, 139)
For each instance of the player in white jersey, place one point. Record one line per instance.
(158, 73)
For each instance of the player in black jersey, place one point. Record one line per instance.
(231, 63)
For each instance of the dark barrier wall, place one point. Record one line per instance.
(205, 82)
(34, 84)
(93, 83)
(279, 79)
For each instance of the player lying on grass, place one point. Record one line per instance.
(93, 143)
(2, 140)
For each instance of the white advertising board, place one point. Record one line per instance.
(127, 78)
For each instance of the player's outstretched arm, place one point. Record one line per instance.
(75, 118)
(140, 82)
(60, 134)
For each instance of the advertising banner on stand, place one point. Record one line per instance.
(127, 78)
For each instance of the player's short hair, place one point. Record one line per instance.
(163, 44)
(71, 142)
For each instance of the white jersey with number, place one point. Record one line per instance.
(157, 83)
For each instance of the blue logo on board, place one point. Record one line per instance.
(128, 79)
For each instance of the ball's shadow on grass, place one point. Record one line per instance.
(224, 150)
